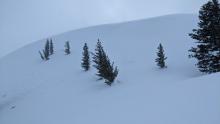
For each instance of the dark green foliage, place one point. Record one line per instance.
(105, 70)
(111, 73)
(161, 57)
(207, 51)
(86, 59)
(97, 59)
(46, 51)
(67, 48)
(51, 47)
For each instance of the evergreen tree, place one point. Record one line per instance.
(67, 48)
(86, 59)
(51, 47)
(97, 59)
(46, 51)
(207, 51)
(161, 57)
(105, 70)
(110, 72)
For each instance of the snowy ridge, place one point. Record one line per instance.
(59, 92)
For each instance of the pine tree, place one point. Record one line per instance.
(46, 51)
(51, 47)
(207, 51)
(161, 57)
(105, 70)
(67, 48)
(111, 72)
(98, 59)
(86, 59)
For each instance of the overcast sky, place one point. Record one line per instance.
(25, 21)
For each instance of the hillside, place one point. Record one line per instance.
(33, 91)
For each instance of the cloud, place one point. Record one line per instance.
(24, 21)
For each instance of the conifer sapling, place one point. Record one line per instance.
(161, 57)
(67, 48)
(46, 51)
(51, 47)
(86, 59)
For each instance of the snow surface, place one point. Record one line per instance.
(33, 91)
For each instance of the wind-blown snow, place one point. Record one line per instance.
(59, 92)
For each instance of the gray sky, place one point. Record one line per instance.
(25, 21)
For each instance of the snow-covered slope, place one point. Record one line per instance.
(59, 92)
